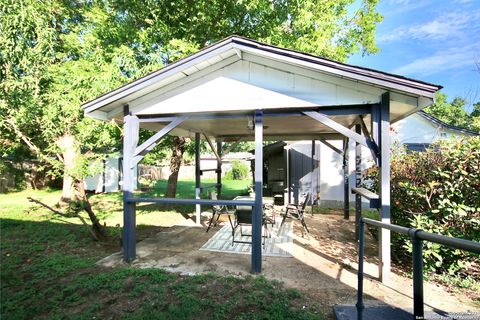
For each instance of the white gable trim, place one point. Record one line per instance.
(237, 47)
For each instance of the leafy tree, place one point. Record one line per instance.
(57, 54)
(438, 191)
(455, 112)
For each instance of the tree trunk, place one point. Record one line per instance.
(179, 146)
(67, 145)
(73, 189)
(98, 229)
(69, 153)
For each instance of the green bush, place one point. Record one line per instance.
(437, 191)
(239, 171)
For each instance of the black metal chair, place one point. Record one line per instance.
(219, 210)
(297, 212)
(243, 217)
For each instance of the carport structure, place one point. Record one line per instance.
(243, 89)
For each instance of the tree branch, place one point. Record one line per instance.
(32, 146)
(64, 215)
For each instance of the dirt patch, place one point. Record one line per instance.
(323, 265)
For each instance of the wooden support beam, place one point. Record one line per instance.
(368, 135)
(198, 208)
(130, 140)
(207, 170)
(331, 146)
(231, 146)
(346, 193)
(219, 167)
(208, 202)
(341, 129)
(212, 147)
(287, 194)
(358, 181)
(151, 142)
(384, 179)
(258, 208)
(363, 126)
(374, 122)
(312, 189)
(156, 119)
(373, 198)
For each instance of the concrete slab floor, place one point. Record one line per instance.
(323, 265)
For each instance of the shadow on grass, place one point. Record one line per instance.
(48, 271)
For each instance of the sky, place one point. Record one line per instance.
(437, 41)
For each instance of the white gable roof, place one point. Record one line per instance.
(238, 74)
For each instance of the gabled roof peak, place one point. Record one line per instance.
(234, 47)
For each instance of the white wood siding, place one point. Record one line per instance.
(246, 85)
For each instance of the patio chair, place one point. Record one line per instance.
(219, 210)
(269, 213)
(296, 211)
(243, 217)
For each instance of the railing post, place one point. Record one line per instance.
(358, 180)
(361, 251)
(198, 208)
(417, 256)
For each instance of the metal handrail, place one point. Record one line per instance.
(417, 237)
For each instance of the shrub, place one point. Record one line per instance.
(239, 171)
(437, 191)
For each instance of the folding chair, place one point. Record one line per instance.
(219, 210)
(296, 211)
(243, 217)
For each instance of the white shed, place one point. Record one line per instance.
(109, 179)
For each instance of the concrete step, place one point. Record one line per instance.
(389, 312)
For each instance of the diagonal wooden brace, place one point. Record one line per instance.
(342, 130)
(210, 143)
(331, 146)
(148, 145)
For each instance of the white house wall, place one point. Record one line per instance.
(417, 129)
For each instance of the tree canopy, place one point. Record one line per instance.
(456, 112)
(57, 54)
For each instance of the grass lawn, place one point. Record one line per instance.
(109, 206)
(48, 271)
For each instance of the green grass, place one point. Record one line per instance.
(186, 188)
(48, 271)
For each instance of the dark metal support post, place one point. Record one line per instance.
(417, 245)
(219, 167)
(346, 194)
(198, 208)
(258, 208)
(287, 197)
(313, 196)
(358, 180)
(130, 140)
(384, 192)
(361, 250)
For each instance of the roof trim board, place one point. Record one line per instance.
(446, 125)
